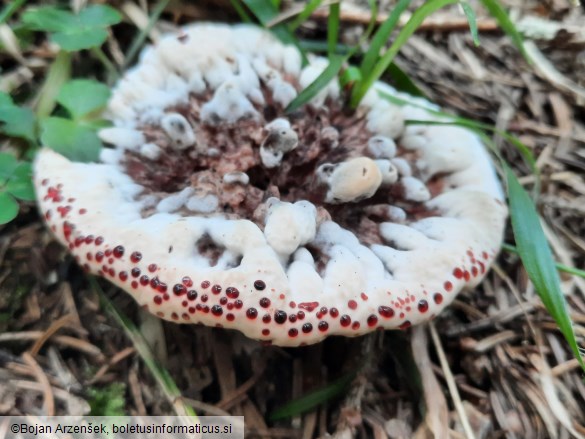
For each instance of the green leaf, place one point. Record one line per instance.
(380, 67)
(17, 122)
(497, 11)
(75, 142)
(537, 258)
(75, 39)
(82, 96)
(330, 72)
(99, 16)
(402, 81)
(8, 208)
(350, 76)
(472, 19)
(8, 165)
(21, 189)
(313, 399)
(5, 99)
(49, 19)
(73, 32)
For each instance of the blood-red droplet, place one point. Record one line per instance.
(372, 320)
(474, 271)
(223, 301)
(205, 284)
(355, 325)
(123, 275)
(118, 251)
(136, 257)
(265, 332)
(204, 298)
(134, 284)
(238, 304)
(333, 312)
(266, 318)
(259, 285)
(216, 310)
(264, 302)
(307, 327)
(352, 304)
(386, 311)
(158, 300)
(251, 313)
(423, 306)
(300, 315)
(144, 280)
(458, 273)
(230, 317)
(135, 272)
(216, 289)
(179, 289)
(191, 294)
(345, 320)
(364, 296)
(292, 318)
(232, 292)
(187, 281)
(99, 256)
(448, 286)
(152, 268)
(293, 332)
(438, 298)
(323, 326)
(279, 317)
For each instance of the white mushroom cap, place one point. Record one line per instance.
(296, 275)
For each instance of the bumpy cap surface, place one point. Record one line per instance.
(212, 205)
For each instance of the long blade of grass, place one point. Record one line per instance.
(332, 28)
(497, 11)
(335, 64)
(537, 259)
(10, 9)
(305, 14)
(162, 376)
(472, 19)
(380, 67)
(241, 11)
(59, 73)
(381, 36)
(313, 399)
(561, 267)
(138, 41)
(402, 81)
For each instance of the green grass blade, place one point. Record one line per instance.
(10, 9)
(313, 399)
(59, 73)
(305, 14)
(335, 64)
(380, 67)
(402, 81)
(472, 19)
(239, 8)
(537, 258)
(381, 37)
(162, 376)
(138, 41)
(497, 11)
(561, 267)
(332, 29)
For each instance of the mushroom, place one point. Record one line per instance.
(235, 232)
